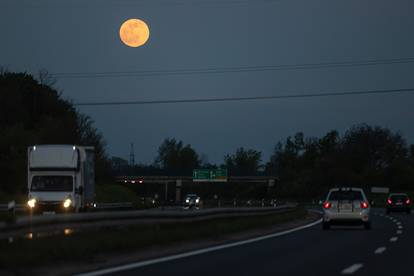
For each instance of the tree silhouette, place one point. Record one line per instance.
(174, 158)
(33, 112)
(243, 162)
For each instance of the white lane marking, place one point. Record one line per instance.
(398, 223)
(195, 252)
(400, 227)
(352, 269)
(399, 232)
(394, 239)
(380, 250)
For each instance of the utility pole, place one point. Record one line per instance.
(132, 156)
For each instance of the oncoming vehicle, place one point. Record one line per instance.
(398, 202)
(191, 200)
(60, 178)
(346, 205)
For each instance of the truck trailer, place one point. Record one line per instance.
(60, 178)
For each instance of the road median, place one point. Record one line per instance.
(154, 214)
(97, 247)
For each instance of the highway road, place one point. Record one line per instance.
(384, 250)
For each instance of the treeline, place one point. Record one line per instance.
(33, 112)
(364, 156)
(175, 158)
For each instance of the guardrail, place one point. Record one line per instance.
(130, 205)
(150, 214)
(4, 207)
(115, 205)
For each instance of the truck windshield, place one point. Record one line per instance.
(52, 183)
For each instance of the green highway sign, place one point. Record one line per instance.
(206, 175)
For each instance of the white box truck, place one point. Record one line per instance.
(60, 177)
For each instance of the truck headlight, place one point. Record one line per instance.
(197, 200)
(187, 201)
(67, 203)
(31, 203)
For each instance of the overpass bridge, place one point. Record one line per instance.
(175, 179)
(177, 182)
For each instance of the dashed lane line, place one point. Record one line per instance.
(352, 269)
(394, 239)
(380, 250)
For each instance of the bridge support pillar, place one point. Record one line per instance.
(178, 184)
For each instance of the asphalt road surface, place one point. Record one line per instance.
(384, 250)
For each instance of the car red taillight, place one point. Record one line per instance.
(408, 201)
(389, 201)
(364, 205)
(327, 205)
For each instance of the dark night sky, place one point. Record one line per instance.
(82, 36)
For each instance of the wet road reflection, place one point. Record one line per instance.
(40, 234)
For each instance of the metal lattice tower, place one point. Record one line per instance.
(132, 156)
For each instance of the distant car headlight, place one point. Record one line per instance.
(31, 203)
(67, 203)
(197, 200)
(187, 201)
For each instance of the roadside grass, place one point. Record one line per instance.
(105, 192)
(111, 193)
(108, 193)
(114, 193)
(84, 246)
(18, 198)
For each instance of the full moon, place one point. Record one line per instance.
(134, 32)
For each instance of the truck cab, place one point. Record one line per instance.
(60, 178)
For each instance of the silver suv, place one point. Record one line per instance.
(346, 205)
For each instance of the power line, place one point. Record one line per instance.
(238, 99)
(239, 69)
(168, 3)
